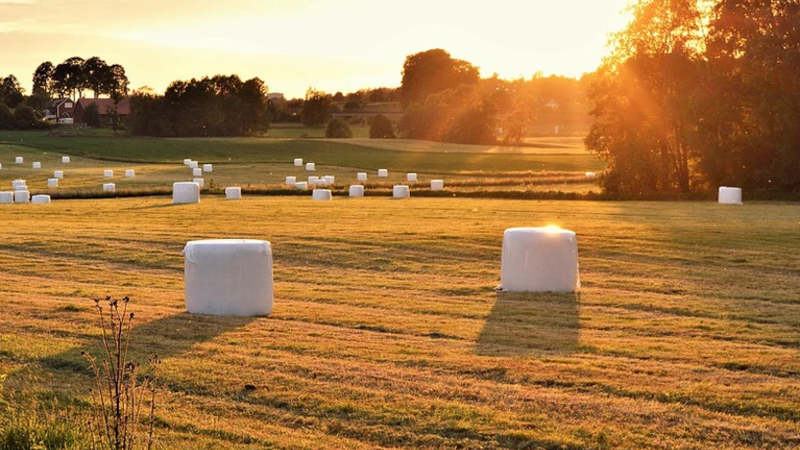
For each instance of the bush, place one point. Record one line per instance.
(381, 128)
(25, 117)
(6, 117)
(14, 99)
(338, 128)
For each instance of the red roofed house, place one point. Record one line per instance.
(104, 107)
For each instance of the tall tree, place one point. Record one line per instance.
(68, 78)
(316, 108)
(43, 79)
(96, 75)
(434, 71)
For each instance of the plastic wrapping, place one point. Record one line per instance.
(591, 175)
(200, 182)
(18, 183)
(58, 174)
(108, 173)
(411, 176)
(52, 182)
(329, 179)
(22, 196)
(233, 193)
(129, 173)
(197, 172)
(437, 185)
(730, 195)
(37, 165)
(208, 168)
(187, 161)
(311, 166)
(302, 185)
(361, 176)
(193, 164)
(539, 260)
(6, 197)
(185, 192)
(65, 160)
(228, 277)
(109, 187)
(313, 181)
(356, 190)
(322, 194)
(19, 160)
(383, 173)
(41, 198)
(290, 181)
(401, 191)
(298, 162)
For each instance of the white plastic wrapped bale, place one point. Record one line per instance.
(58, 174)
(19, 160)
(193, 164)
(52, 182)
(401, 191)
(356, 190)
(329, 179)
(383, 173)
(411, 176)
(311, 167)
(361, 176)
(233, 193)
(41, 198)
(65, 160)
(730, 195)
(22, 196)
(313, 181)
(200, 182)
(298, 162)
(109, 187)
(208, 168)
(197, 172)
(591, 175)
(543, 259)
(1, 166)
(108, 173)
(228, 277)
(437, 185)
(16, 184)
(37, 165)
(290, 181)
(185, 192)
(129, 173)
(302, 185)
(322, 194)
(6, 197)
(187, 161)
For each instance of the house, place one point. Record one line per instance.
(61, 110)
(104, 106)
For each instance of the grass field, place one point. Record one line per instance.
(387, 332)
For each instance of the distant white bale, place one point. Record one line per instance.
(6, 197)
(18, 183)
(541, 259)
(437, 185)
(37, 165)
(187, 161)
(730, 195)
(313, 180)
(401, 191)
(197, 172)
(193, 164)
(591, 175)
(41, 198)
(109, 187)
(290, 181)
(298, 162)
(356, 190)
(21, 188)
(185, 192)
(311, 167)
(411, 176)
(322, 194)
(383, 173)
(65, 160)
(208, 168)
(129, 173)
(52, 182)
(200, 182)
(22, 196)
(302, 185)
(329, 179)
(233, 193)
(1, 166)
(19, 160)
(58, 174)
(361, 176)
(108, 173)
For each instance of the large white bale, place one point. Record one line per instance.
(22, 196)
(52, 182)
(313, 181)
(383, 173)
(37, 165)
(411, 176)
(361, 176)
(6, 197)
(108, 173)
(298, 162)
(290, 181)
(329, 179)
(193, 164)
(541, 259)
(322, 194)
(200, 182)
(356, 190)
(437, 185)
(311, 166)
(41, 198)
(302, 185)
(19, 160)
(208, 168)
(185, 192)
(401, 191)
(197, 172)
(109, 187)
(233, 193)
(187, 161)
(129, 173)
(730, 195)
(65, 160)
(230, 277)
(58, 174)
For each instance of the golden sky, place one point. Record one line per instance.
(340, 45)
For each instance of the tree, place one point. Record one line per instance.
(6, 117)
(338, 129)
(43, 79)
(434, 71)
(92, 115)
(68, 78)
(11, 91)
(317, 108)
(381, 128)
(24, 117)
(97, 75)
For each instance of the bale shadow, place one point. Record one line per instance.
(530, 324)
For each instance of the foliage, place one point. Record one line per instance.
(338, 128)
(6, 117)
(92, 115)
(25, 117)
(434, 71)
(454, 115)
(317, 108)
(43, 79)
(75, 75)
(381, 128)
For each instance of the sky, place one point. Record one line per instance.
(331, 45)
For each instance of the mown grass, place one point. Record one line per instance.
(387, 332)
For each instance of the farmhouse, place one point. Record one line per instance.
(60, 110)
(105, 106)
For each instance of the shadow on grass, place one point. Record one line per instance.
(528, 324)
